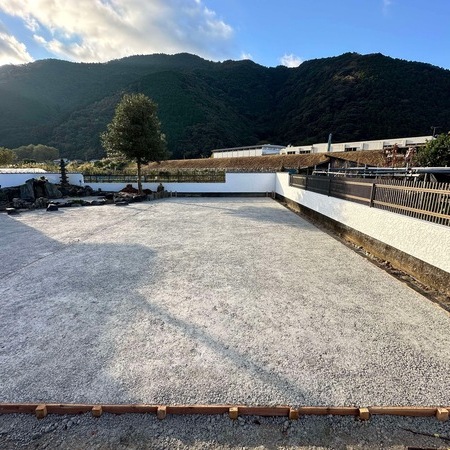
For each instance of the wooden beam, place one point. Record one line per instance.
(41, 411)
(411, 411)
(198, 409)
(442, 414)
(364, 414)
(130, 409)
(68, 408)
(326, 410)
(233, 413)
(269, 411)
(17, 408)
(161, 413)
(97, 410)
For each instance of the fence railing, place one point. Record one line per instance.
(423, 200)
(164, 177)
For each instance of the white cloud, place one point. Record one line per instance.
(290, 60)
(101, 30)
(246, 56)
(386, 5)
(11, 50)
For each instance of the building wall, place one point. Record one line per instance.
(266, 149)
(358, 145)
(16, 179)
(424, 240)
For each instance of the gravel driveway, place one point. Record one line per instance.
(193, 300)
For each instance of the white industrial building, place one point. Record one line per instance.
(253, 150)
(269, 149)
(359, 145)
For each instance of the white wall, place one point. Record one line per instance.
(16, 179)
(234, 183)
(424, 240)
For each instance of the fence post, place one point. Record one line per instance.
(372, 194)
(329, 186)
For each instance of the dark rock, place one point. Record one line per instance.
(128, 197)
(52, 207)
(27, 190)
(12, 211)
(129, 189)
(18, 203)
(52, 191)
(121, 203)
(98, 202)
(40, 203)
(39, 187)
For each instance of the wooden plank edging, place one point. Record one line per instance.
(161, 411)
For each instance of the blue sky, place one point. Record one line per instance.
(266, 31)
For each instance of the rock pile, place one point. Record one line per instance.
(36, 193)
(40, 194)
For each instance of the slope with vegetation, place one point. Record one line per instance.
(205, 105)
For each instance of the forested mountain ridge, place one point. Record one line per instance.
(205, 105)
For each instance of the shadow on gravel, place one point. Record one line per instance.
(67, 310)
(280, 216)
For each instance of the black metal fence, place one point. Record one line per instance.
(422, 200)
(192, 176)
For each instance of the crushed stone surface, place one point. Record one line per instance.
(206, 301)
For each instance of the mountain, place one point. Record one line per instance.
(205, 105)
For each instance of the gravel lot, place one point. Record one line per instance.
(208, 301)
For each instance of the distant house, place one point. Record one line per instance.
(253, 150)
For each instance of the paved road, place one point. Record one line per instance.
(207, 301)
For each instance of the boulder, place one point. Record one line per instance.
(52, 191)
(98, 202)
(39, 187)
(129, 189)
(52, 207)
(18, 203)
(27, 190)
(40, 203)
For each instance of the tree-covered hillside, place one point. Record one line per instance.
(205, 105)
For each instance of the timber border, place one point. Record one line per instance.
(41, 410)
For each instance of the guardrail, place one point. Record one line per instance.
(423, 200)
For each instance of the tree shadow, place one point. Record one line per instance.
(93, 320)
(258, 212)
(68, 309)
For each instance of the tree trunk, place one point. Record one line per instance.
(139, 177)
